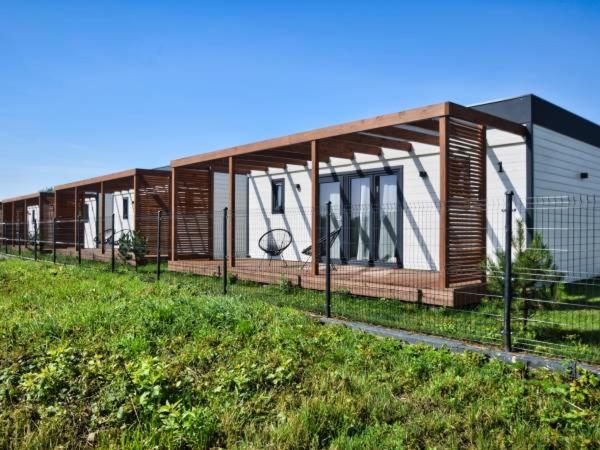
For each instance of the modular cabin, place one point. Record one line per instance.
(26, 217)
(93, 214)
(417, 199)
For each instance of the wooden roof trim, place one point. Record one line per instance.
(410, 115)
(22, 197)
(421, 116)
(109, 177)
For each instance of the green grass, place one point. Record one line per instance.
(568, 329)
(93, 359)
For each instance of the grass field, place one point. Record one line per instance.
(569, 329)
(93, 359)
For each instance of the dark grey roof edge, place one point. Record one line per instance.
(531, 109)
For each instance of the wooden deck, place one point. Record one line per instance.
(418, 286)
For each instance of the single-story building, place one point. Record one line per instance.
(417, 197)
(21, 215)
(133, 196)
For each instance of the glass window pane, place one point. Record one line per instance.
(388, 214)
(360, 218)
(330, 192)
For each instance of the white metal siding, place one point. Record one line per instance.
(421, 197)
(221, 193)
(567, 219)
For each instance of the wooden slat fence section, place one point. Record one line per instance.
(20, 220)
(466, 220)
(193, 213)
(65, 208)
(46, 217)
(152, 196)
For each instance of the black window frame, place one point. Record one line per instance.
(125, 205)
(279, 182)
(345, 180)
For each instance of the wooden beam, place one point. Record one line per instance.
(408, 135)
(386, 120)
(231, 213)
(443, 244)
(258, 160)
(482, 118)
(242, 170)
(315, 205)
(375, 141)
(427, 124)
(331, 146)
(276, 159)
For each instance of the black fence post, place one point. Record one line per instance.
(508, 272)
(5, 238)
(225, 250)
(18, 238)
(112, 243)
(328, 262)
(54, 240)
(35, 240)
(159, 217)
(78, 238)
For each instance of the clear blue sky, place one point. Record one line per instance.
(89, 88)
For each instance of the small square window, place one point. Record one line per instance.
(125, 208)
(277, 197)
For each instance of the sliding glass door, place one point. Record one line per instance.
(374, 235)
(387, 235)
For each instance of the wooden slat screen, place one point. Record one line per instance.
(65, 214)
(466, 219)
(193, 213)
(46, 217)
(153, 195)
(20, 219)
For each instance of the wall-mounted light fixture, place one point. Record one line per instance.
(500, 168)
(584, 175)
(422, 174)
(298, 187)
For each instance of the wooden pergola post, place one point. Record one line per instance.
(102, 208)
(314, 231)
(231, 213)
(173, 214)
(134, 200)
(443, 244)
(483, 199)
(14, 220)
(75, 214)
(26, 223)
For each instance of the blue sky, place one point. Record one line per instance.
(88, 88)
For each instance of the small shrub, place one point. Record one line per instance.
(132, 244)
(535, 275)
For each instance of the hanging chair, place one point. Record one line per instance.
(274, 242)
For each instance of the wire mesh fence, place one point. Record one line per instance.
(388, 265)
